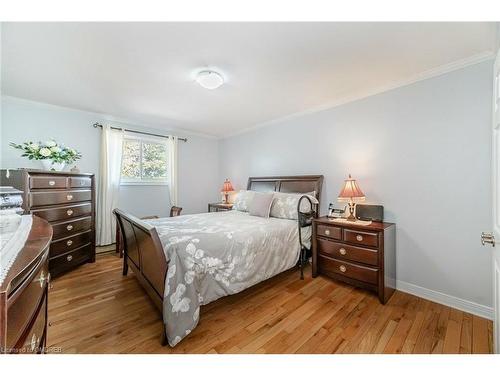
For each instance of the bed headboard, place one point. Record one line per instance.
(287, 184)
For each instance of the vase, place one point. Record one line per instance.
(50, 165)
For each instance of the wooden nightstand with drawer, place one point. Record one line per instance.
(361, 255)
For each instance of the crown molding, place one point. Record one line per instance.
(431, 73)
(115, 119)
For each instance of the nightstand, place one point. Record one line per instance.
(360, 255)
(216, 207)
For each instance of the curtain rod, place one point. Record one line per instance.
(97, 125)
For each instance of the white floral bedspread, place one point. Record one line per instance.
(213, 255)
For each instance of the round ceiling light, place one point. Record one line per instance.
(209, 79)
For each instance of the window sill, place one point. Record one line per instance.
(144, 183)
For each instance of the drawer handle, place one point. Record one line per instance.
(69, 197)
(342, 251)
(327, 232)
(49, 277)
(342, 268)
(69, 258)
(52, 183)
(69, 227)
(41, 279)
(34, 341)
(359, 237)
(69, 242)
(69, 212)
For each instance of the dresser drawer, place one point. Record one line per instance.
(64, 212)
(347, 269)
(47, 198)
(48, 182)
(68, 261)
(33, 341)
(361, 238)
(67, 228)
(346, 252)
(22, 307)
(80, 182)
(69, 243)
(330, 232)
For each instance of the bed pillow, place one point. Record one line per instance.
(261, 204)
(242, 200)
(285, 204)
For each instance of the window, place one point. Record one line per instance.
(144, 161)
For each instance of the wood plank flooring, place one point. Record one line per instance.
(94, 309)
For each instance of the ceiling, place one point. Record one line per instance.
(143, 72)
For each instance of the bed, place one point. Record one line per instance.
(191, 260)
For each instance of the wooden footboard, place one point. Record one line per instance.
(143, 253)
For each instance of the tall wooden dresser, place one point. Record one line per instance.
(67, 201)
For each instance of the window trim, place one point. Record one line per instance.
(143, 182)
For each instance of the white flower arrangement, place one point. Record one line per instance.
(49, 150)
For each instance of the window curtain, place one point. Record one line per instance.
(172, 170)
(109, 184)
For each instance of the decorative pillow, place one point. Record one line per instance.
(261, 204)
(285, 205)
(242, 200)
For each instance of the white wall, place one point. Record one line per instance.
(423, 151)
(27, 120)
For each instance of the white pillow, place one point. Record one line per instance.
(242, 200)
(285, 204)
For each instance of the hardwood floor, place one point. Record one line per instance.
(94, 309)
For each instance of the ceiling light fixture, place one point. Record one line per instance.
(209, 79)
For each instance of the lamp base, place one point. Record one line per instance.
(351, 216)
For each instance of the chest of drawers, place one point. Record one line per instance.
(67, 201)
(361, 255)
(23, 295)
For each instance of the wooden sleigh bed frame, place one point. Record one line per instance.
(143, 251)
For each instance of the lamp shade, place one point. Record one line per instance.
(227, 187)
(351, 191)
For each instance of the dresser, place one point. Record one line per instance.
(67, 201)
(361, 255)
(23, 295)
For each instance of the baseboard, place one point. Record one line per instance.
(445, 299)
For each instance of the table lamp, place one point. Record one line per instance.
(351, 193)
(226, 189)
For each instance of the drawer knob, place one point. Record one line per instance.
(359, 237)
(69, 197)
(327, 232)
(69, 242)
(69, 212)
(52, 183)
(69, 258)
(342, 268)
(34, 341)
(342, 251)
(69, 227)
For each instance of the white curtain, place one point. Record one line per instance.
(172, 169)
(109, 184)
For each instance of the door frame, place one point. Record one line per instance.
(495, 132)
